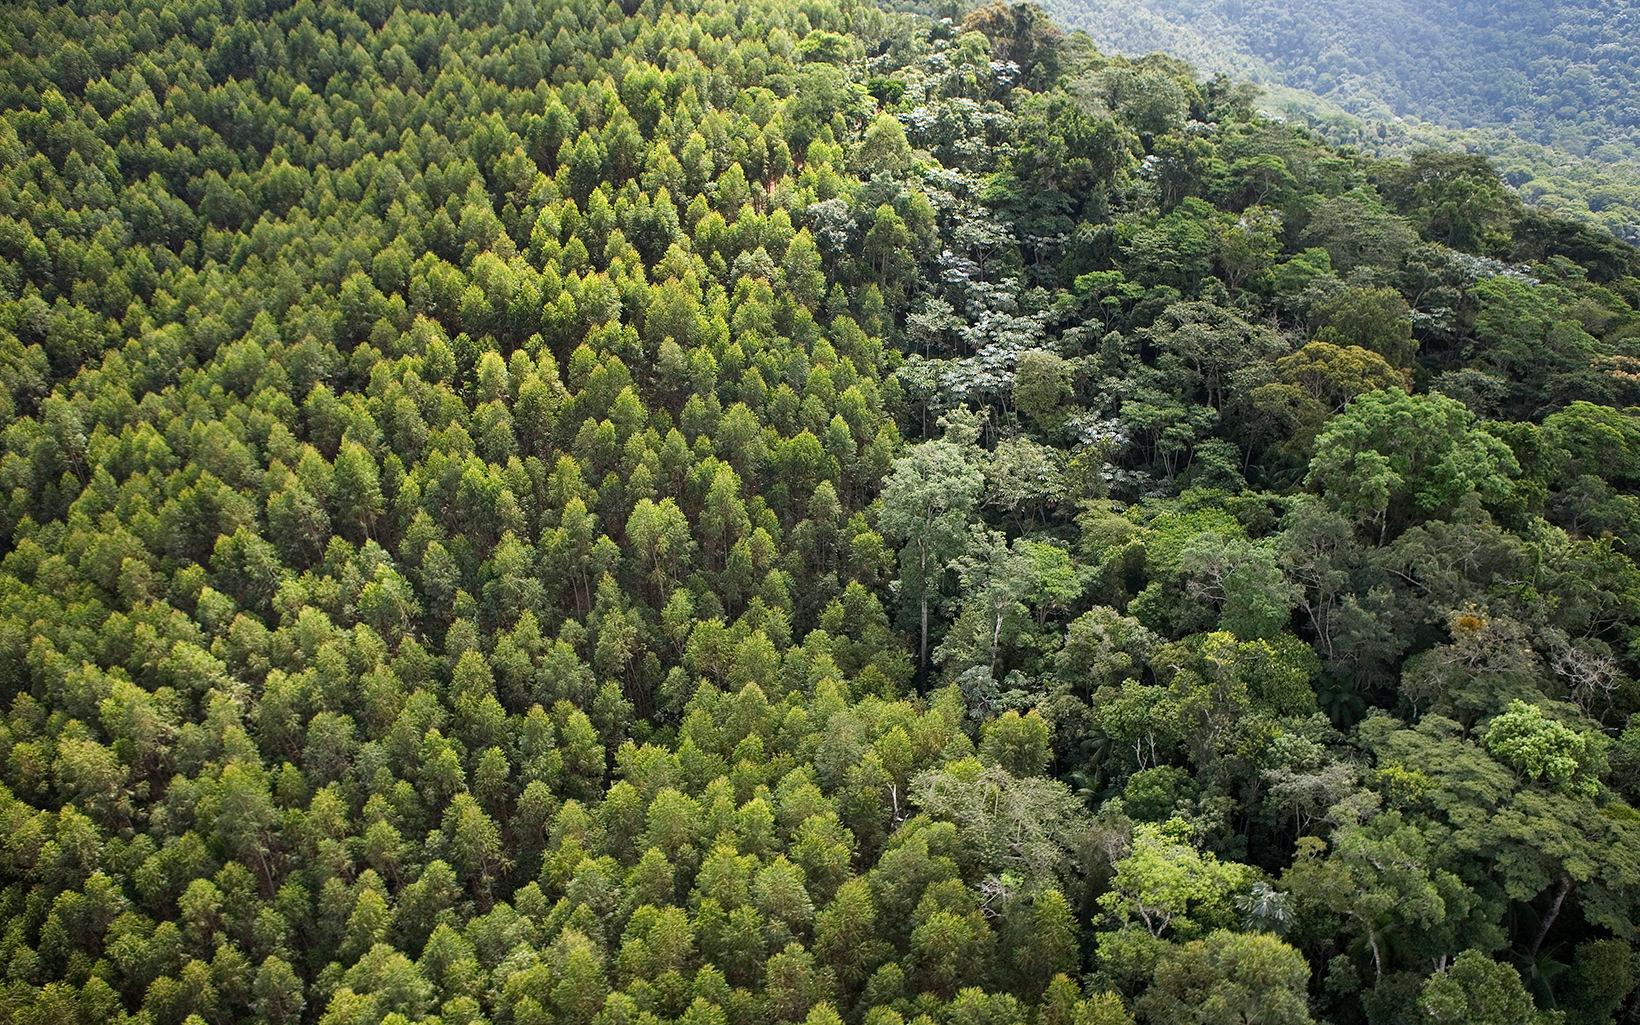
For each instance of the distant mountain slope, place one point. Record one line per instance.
(1504, 80)
(1560, 73)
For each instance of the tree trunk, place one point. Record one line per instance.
(922, 569)
(922, 650)
(1554, 912)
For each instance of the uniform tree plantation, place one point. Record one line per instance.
(727, 512)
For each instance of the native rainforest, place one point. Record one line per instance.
(1550, 89)
(790, 512)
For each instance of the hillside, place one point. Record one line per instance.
(1547, 89)
(1557, 72)
(733, 512)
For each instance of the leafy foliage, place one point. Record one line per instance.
(742, 512)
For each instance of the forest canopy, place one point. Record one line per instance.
(724, 512)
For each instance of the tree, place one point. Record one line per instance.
(1023, 34)
(1378, 879)
(1540, 748)
(1169, 885)
(1458, 198)
(475, 841)
(884, 151)
(1477, 990)
(1102, 647)
(387, 982)
(659, 536)
(1049, 946)
(846, 936)
(1356, 232)
(1027, 479)
(1210, 343)
(927, 501)
(1020, 834)
(1316, 382)
(1069, 153)
(1418, 454)
(1018, 744)
(389, 604)
(278, 992)
(1227, 976)
(357, 496)
(1249, 243)
(1602, 977)
(793, 984)
(997, 578)
(887, 247)
(1375, 319)
(1242, 581)
(581, 988)
(1042, 384)
(948, 949)
(297, 523)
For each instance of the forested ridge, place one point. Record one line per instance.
(1604, 193)
(743, 511)
(1559, 72)
(1544, 87)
